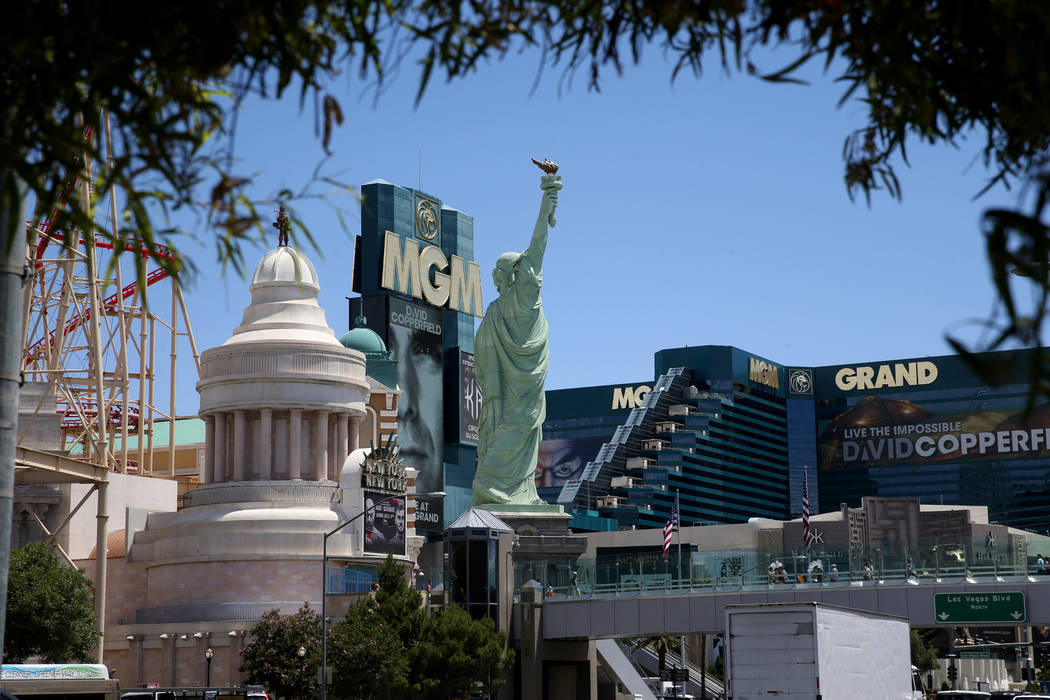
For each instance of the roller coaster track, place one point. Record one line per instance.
(90, 340)
(109, 304)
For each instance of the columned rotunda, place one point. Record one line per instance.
(282, 398)
(283, 403)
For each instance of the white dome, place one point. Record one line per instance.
(284, 303)
(282, 266)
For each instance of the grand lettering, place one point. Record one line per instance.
(421, 273)
(898, 375)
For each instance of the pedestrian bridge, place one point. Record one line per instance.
(635, 601)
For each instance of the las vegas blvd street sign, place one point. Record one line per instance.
(955, 608)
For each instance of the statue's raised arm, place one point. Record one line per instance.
(550, 184)
(511, 362)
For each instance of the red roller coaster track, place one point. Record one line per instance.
(110, 302)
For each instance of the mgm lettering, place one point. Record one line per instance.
(629, 396)
(421, 273)
(763, 372)
(383, 474)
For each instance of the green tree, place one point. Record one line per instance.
(366, 654)
(390, 624)
(923, 656)
(399, 605)
(459, 654)
(386, 644)
(49, 609)
(271, 656)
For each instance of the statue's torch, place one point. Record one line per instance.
(550, 181)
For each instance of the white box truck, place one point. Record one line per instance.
(791, 651)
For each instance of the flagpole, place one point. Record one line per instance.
(807, 534)
(678, 526)
(678, 510)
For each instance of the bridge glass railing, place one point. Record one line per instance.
(922, 561)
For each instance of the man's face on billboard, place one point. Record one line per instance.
(563, 460)
(419, 414)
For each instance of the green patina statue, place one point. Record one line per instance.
(511, 362)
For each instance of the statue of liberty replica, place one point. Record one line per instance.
(511, 361)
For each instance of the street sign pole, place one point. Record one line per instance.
(952, 673)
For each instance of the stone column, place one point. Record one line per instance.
(132, 676)
(167, 656)
(209, 454)
(265, 443)
(321, 446)
(240, 446)
(234, 673)
(340, 444)
(329, 467)
(220, 447)
(355, 434)
(295, 446)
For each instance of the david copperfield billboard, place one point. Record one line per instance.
(879, 430)
(922, 411)
(414, 339)
(934, 429)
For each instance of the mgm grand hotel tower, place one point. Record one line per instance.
(420, 291)
(737, 435)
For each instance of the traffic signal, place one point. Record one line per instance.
(953, 673)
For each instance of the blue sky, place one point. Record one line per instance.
(708, 211)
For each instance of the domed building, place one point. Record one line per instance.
(381, 367)
(284, 404)
(365, 340)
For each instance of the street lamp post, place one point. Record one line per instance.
(208, 653)
(302, 670)
(324, 580)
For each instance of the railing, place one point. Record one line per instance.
(980, 560)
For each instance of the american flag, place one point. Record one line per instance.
(671, 526)
(807, 533)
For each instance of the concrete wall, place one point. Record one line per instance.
(125, 589)
(235, 581)
(123, 491)
(172, 656)
(549, 668)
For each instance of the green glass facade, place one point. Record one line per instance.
(713, 436)
(734, 433)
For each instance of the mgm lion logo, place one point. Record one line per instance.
(426, 219)
(801, 381)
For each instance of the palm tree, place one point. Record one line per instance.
(660, 646)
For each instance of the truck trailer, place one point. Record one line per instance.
(791, 651)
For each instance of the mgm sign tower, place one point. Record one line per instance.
(421, 291)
